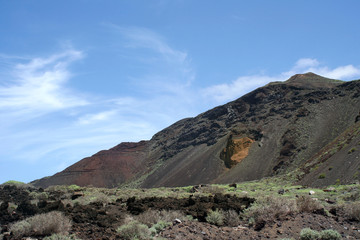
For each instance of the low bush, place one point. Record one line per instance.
(20, 229)
(39, 195)
(152, 217)
(134, 230)
(212, 189)
(61, 237)
(330, 235)
(73, 187)
(231, 218)
(307, 204)
(159, 226)
(93, 197)
(269, 209)
(309, 234)
(215, 217)
(322, 176)
(18, 184)
(42, 224)
(352, 211)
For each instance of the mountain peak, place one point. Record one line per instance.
(311, 80)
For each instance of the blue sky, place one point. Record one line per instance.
(80, 76)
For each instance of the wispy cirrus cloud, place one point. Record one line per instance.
(39, 85)
(145, 38)
(229, 91)
(96, 117)
(170, 68)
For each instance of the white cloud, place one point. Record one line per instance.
(170, 69)
(97, 117)
(145, 38)
(229, 91)
(342, 72)
(39, 85)
(306, 63)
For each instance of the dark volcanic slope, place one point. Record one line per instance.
(269, 131)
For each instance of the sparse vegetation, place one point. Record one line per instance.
(322, 176)
(307, 204)
(351, 150)
(152, 217)
(215, 217)
(231, 218)
(74, 187)
(270, 206)
(309, 234)
(61, 237)
(268, 209)
(330, 234)
(134, 230)
(42, 224)
(159, 226)
(352, 211)
(18, 184)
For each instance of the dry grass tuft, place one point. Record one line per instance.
(352, 211)
(152, 217)
(307, 204)
(269, 209)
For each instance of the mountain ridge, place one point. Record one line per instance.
(286, 122)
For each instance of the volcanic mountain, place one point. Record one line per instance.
(308, 124)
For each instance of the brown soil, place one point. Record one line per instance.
(288, 228)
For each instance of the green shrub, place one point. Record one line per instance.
(21, 228)
(309, 234)
(159, 226)
(18, 184)
(215, 217)
(61, 237)
(39, 195)
(42, 224)
(93, 197)
(322, 176)
(352, 150)
(73, 187)
(330, 235)
(134, 230)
